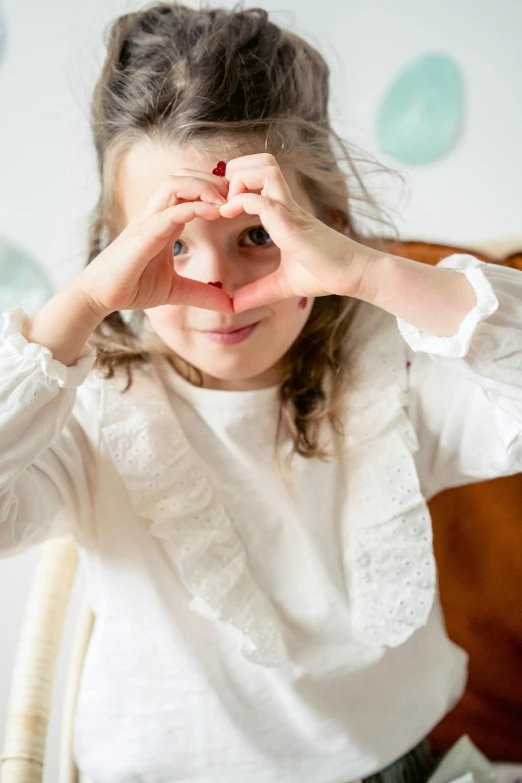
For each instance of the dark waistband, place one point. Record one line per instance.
(416, 766)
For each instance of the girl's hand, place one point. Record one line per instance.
(136, 271)
(315, 260)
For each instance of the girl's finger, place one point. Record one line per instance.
(192, 189)
(163, 224)
(253, 161)
(186, 188)
(268, 179)
(196, 294)
(220, 183)
(274, 215)
(149, 237)
(157, 202)
(266, 290)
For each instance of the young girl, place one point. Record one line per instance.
(240, 408)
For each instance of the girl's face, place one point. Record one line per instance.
(241, 351)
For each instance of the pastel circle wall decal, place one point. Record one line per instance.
(22, 281)
(420, 117)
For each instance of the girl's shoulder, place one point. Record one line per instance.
(102, 399)
(98, 385)
(370, 324)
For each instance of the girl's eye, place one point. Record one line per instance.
(259, 236)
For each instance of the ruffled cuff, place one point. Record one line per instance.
(67, 377)
(457, 345)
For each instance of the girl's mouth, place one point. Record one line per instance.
(231, 336)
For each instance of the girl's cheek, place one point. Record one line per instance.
(179, 264)
(170, 316)
(265, 264)
(291, 312)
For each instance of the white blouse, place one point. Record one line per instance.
(250, 627)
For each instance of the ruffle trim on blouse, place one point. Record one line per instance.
(389, 563)
(67, 377)
(456, 346)
(392, 573)
(169, 487)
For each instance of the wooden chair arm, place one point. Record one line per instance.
(35, 663)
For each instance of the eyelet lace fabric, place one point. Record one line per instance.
(389, 565)
(169, 487)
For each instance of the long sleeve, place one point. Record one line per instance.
(46, 464)
(466, 390)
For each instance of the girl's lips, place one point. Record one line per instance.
(232, 337)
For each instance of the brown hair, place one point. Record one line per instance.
(216, 76)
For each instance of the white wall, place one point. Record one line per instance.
(47, 176)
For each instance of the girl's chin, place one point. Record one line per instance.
(239, 371)
(227, 371)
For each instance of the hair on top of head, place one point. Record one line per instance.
(231, 77)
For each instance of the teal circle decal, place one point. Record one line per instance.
(420, 117)
(22, 281)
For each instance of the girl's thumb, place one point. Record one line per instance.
(272, 288)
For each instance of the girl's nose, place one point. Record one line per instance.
(218, 275)
(215, 268)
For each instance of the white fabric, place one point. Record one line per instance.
(249, 627)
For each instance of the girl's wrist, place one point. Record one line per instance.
(64, 323)
(431, 299)
(90, 304)
(364, 271)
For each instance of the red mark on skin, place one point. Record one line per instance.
(408, 364)
(220, 169)
(217, 285)
(302, 303)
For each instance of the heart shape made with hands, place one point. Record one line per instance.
(314, 257)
